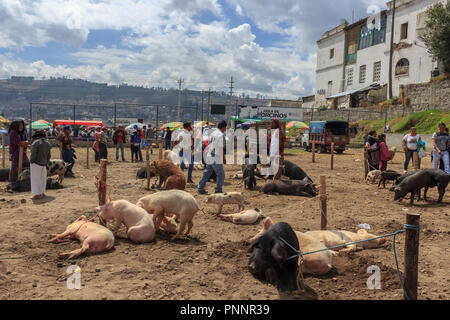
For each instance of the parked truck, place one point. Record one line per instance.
(324, 133)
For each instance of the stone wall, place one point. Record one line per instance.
(422, 96)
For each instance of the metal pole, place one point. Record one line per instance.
(391, 52)
(209, 103)
(31, 120)
(157, 115)
(74, 115)
(196, 112)
(202, 106)
(115, 114)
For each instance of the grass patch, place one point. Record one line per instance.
(426, 122)
(441, 77)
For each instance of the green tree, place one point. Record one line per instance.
(437, 34)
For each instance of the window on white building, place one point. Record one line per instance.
(362, 74)
(330, 88)
(421, 24)
(377, 71)
(350, 77)
(402, 67)
(404, 31)
(332, 53)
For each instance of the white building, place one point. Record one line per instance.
(354, 57)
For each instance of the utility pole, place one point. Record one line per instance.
(180, 82)
(202, 106)
(391, 53)
(231, 100)
(209, 103)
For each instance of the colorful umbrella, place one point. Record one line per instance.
(297, 125)
(37, 125)
(203, 124)
(172, 125)
(131, 126)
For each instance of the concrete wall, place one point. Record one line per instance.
(395, 140)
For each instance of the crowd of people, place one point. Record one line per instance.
(413, 147)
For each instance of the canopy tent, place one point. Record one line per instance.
(234, 118)
(77, 123)
(4, 120)
(203, 124)
(131, 126)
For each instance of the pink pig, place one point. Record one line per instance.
(94, 238)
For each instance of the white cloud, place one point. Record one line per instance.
(166, 41)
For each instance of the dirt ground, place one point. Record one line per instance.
(211, 263)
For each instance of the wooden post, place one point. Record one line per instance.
(160, 151)
(102, 185)
(416, 161)
(314, 151)
(332, 155)
(411, 256)
(19, 168)
(148, 174)
(366, 164)
(147, 153)
(87, 153)
(3, 150)
(323, 203)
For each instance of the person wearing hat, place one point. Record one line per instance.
(103, 144)
(17, 138)
(40, 156)
(67, 152)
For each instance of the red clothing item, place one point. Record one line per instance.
(385, 155)
(120, 137)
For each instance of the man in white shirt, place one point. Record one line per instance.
(185, 147)
(214, 159)
(410, 146)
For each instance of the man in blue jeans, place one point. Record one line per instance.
(440, 144)
(67, 152)
(215, 158)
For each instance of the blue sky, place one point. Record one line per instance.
(267, 46)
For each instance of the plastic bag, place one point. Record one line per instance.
(422, 154)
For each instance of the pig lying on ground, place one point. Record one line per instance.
(4, 174)
(169, 174)
(139, 224)
(388, 175)
(55, 167)
(269, 258)
(337, 238)
(245, 217)
(226, 198)
(316, 263)
(94, 238)
(291, 170)
(373, 176)
(142, 173)
(291, 187)
(428, 178)
(25, 185)
(174, 202)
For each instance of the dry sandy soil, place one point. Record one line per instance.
(211, 263)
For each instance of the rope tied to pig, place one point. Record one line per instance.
(301, 254)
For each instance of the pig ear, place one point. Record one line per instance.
(362, 231)
(278, 252)
(268, 223)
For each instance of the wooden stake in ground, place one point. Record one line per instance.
(19, 168)
(87, 154)
(323, 203)
(332, 155)
(147, 154)
(148, 174)
(102, 185)
(313, 151)
(416, 160)
(160, 151)
(411, 256)
(3, 150)
(366, 164)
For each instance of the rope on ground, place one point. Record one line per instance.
(394, 235)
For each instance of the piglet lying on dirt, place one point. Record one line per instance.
(244, 217)
(316, 263)
(140, 227)
(336, 238)
(174, 202)
(94, 238)
(291, 187)
(226, 198)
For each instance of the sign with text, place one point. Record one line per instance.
(268, 113)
